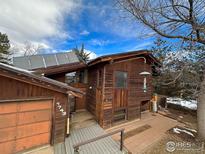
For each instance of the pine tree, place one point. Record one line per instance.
(4, 49)
(182, 69)
(82, 55)
(161, 49)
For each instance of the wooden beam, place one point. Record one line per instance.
(64, 68)
(75, 94)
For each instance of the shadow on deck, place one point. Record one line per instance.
(83, 128)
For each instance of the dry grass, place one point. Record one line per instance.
(182, 138)
(189, 119)
(160, 147)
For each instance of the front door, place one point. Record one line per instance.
(120, 95)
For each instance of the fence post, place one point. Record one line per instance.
(121, 139)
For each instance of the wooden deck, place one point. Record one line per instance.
(103, 146)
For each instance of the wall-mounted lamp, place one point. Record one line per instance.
(145, 74)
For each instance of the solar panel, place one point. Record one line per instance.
(36, 61)
(45, 60)
(22, 62)
(62, 58)
(50, 60)
(72, 57)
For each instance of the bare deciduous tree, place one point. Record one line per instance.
(31, 49)
(170, 18)
(176, 19)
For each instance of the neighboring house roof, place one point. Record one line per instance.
(28, 76)
(45, 60)
(125, 55)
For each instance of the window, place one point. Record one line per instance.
(120, 79)
(75, 77)
(70, 77)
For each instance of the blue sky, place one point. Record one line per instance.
(101, 28)
(64, 24)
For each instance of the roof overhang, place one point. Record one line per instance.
(29, 77)
(65, 68)
(125, 55)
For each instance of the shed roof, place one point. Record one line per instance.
(40, 80)
(65, 68)
(125, 55)
(45, 60)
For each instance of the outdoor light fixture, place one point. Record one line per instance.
(145, 74)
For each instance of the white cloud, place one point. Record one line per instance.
(92, 54)
(99, 42)
(110, 19)
(84, 32)
(35, 20)
(143, 45)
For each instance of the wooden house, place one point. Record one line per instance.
(118, 87)
(33, 110)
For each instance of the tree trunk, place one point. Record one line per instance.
(201, 112)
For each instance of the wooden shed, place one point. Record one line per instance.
(120, 86)
(34, 110)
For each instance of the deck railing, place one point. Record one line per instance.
(121, 131)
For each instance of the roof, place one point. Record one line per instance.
(65, 68)
(45, 60)
(124, 55)
(42, 81)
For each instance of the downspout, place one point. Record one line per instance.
(68, 115)
(69, 93)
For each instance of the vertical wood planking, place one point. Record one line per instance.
(112, 98)
(12, 89)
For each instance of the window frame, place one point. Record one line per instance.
(125, 86)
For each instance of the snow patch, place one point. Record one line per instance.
(192, 130)
(178, 131)
(190, 104)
